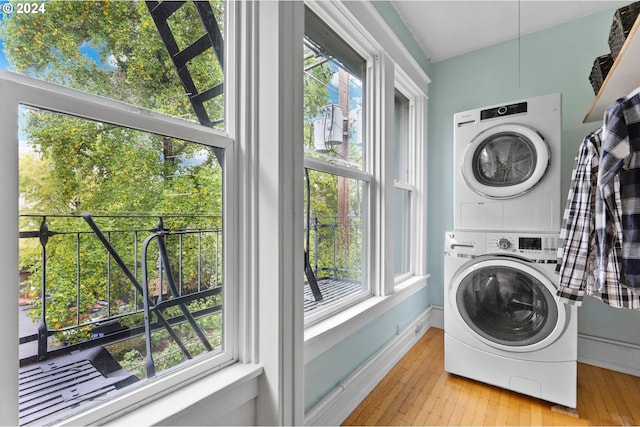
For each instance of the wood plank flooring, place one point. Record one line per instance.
(417, 391)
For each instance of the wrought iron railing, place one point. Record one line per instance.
(94, 284)
(337, 247)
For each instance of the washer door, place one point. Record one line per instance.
(505, 161)
(507, 304)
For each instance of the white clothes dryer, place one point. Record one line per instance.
(503, 324)
(507, 169)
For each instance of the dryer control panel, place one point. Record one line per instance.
(503, 110)
(535, 247)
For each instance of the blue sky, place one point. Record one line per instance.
(3, 60)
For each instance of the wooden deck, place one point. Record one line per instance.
(332, 291)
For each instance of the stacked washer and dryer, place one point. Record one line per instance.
(503, 324)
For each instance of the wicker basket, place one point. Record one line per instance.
(601, 67)
(623, 21)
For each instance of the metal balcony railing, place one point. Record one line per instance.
(107, 285)
(95, 287)
(337, 247)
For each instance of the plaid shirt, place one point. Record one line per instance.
(576, 252)
(618, 209)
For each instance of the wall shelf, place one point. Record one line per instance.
(623, 77)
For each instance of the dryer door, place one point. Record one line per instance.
(505, 161)
(508, 304)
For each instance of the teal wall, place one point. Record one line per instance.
(327, 371)
(557, 59)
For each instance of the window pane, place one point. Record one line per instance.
(401, 139)
(333, 127)
(401, 231)
(402, 197)
(334, 243)
(114, 49)
(156, 206)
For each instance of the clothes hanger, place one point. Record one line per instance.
(634, 92)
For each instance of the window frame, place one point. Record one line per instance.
(416, 180)
(341, 41)
(407, 184)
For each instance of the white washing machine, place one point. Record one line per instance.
(507, 169)
(503, 325)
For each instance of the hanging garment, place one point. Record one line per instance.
(576, 252)
(617, 207)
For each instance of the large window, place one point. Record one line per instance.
(124, 204)
(337, 188)
(364, 148)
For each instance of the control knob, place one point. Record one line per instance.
(504, 243)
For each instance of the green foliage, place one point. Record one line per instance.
(133, 64)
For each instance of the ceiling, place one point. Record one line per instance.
(444, 29)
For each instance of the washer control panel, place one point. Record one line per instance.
(536, 247)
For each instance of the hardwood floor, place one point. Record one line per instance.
(417, 391)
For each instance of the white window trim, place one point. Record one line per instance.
(277, 198)
(322, 166)
(389, 65)
(417, 174)
(403, 186)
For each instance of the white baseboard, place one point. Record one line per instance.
(437, 318)
(338, 404)
(608, 354)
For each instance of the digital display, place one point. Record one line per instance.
(530, 243)
(504, 110)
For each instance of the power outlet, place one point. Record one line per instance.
(418, 329)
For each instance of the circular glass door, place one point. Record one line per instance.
(508, 304)
(505, 161)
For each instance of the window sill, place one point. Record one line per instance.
(323, 335)
(238, 381)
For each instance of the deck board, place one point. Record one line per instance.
(49, 387)
(332, 291)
